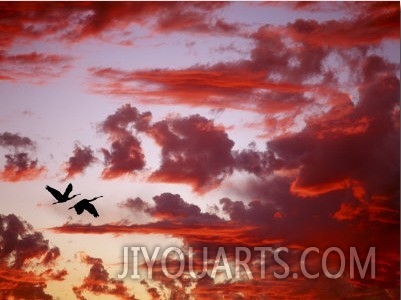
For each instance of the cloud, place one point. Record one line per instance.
(126, 154)
(19, 167)
(173, 216)
(371, 23)
(292, 72)
(194, 151)
(218, 86)
(350, 142)
(256, 224)
(195, 19)
(256, 162)
(79, 21)
(27, 262)
(136, 204)
(335, 181)
(98, 281)
(14, 140)
(33, 67)
(82, 158)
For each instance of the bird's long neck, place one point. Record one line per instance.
(73, 196)
(93, 199)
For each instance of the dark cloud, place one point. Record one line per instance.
(350, 142)
(123, 119)
(20, 250)
(256, 162)
(82, 158)
(126, 154)
(14, 140)
(194, 151)
(371, 24)
(98, 282)
(137, 204)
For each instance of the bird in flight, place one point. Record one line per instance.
(59, 196)
(85, 205)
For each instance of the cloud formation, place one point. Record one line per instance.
(81, 20)
(18, 163)
(33, 67)
(328, 176)
(27, 262)
(13, 140)
(293, 69)
(81, 159)
(98, 281)
(20, 167)
(126, 155)
(194, 151)
(259, 224)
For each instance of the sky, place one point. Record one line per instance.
(202, 124)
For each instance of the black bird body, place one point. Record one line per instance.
(59, 196)
(85, 205)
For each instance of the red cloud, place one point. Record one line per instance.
(194, 151)
(271, 81)
(82, 158)
(21, 276)
(371, 24)
(35, 67)
(79, 20)
(350, 142)
(185, 18)
(221, 85)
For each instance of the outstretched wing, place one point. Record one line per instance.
(68, 190)
(91, 209)
(56, 194)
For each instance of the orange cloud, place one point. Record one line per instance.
(19, 167)
(98, 282)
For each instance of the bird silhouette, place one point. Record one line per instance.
(59, 196)
(85, 205)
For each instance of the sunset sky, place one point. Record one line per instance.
(202, 124)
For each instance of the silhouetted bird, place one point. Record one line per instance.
(85, 205)
(61, 197)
